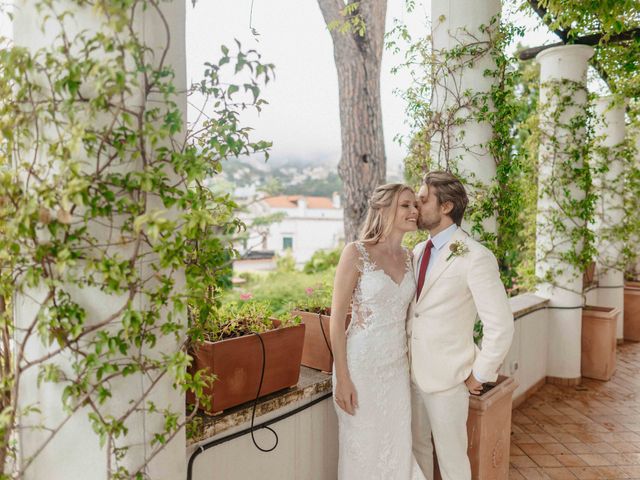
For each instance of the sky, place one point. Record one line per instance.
(302, 118)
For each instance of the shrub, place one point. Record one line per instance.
(286, 263)
(322, 260)
(281, 289)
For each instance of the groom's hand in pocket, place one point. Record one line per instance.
(473, 385)
(346, 396)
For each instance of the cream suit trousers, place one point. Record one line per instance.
(443, 414)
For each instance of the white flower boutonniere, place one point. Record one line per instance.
(458, 249)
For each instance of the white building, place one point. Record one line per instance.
(310, 224)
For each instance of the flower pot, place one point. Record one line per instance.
(317, 343)
(632, 311)
(489, 431)
(599, 342)
(237, 364)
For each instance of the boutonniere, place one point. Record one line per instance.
(458, 249)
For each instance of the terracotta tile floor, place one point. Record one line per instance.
(587, 432)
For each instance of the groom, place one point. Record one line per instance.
(458, 281)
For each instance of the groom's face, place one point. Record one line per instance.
(431, 212)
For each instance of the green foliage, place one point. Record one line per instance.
(632, 200)
(411, 239)
(351, 21)
(618, 62)
(615, 169)
(236, 319)
(103, 204)
(286, 263)
(567, 195)
(322, 260)
(435, 131)
(506, 198)
(526, 146)
(477, 332)
(283, 290)
(317, 299)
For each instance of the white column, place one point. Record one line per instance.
(610, 135)
(635, 237)
(74, 452)
(462, 144)
(561, 70)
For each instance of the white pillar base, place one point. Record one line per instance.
(613, 297)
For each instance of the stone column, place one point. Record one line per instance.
(635, 239)
(562, 77)
(75, 451)
(609, 184)
(460, 140)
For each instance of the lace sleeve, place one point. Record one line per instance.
(365, 264)
(359, 311)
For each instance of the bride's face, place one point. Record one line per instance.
(406, 218)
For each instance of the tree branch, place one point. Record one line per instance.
(593, 39)
(331, 12)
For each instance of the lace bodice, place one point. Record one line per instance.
(377, 297)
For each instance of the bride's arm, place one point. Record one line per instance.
(344, 284)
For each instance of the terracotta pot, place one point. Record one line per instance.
(317, 343)
(632, 311)
(599, 342)
(489, 432)
(237, 364)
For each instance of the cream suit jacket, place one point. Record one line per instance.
(440, 322)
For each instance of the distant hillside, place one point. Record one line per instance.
(287, 178)
(314, 187)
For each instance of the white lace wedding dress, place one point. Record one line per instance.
(375, 443)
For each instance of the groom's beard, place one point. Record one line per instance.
(423, 226)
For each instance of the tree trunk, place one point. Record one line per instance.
(363, 163)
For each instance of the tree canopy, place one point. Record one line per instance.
(617, 53)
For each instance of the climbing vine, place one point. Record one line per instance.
(441, 108)
(107, 232)
(566, 198)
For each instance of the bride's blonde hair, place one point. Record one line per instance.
(382, 212)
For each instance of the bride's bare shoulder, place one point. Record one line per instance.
(351, 262)
(351, 253)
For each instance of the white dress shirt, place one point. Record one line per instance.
(439, 241)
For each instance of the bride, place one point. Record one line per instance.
(371, 370)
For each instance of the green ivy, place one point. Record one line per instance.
(103, 195)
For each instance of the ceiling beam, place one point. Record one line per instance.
(593, 39)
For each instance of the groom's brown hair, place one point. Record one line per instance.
(448, 188)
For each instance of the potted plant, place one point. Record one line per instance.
(598, 358)
(315, 313)
(632, 311)
(489, 430)
(232, 352)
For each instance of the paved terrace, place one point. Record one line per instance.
(587, 432)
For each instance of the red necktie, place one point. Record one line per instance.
(426, 255)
